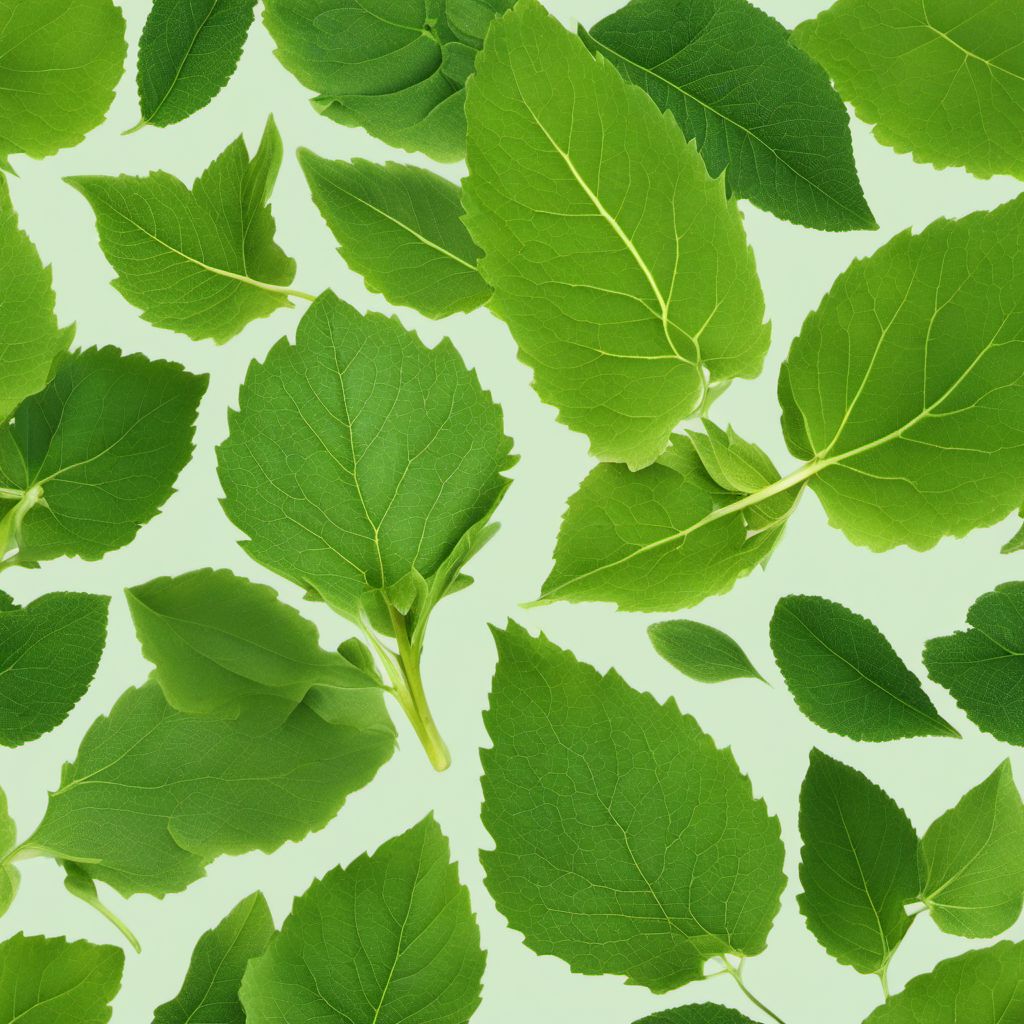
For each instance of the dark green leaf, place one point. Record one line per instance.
(697, 1013)
(701, 651)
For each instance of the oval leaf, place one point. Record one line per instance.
(701, 651)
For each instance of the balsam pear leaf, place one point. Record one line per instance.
(759, 109)
(626, 842)
(701, 652)
(49, 653)
(942, 81)
(202, 261)
(620, 266)
(391, 939)
(400, 227)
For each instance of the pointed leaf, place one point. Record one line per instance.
(1015, 543)
(400, 227)
(619, 265)
(391, 939)
(626, 842)
(701, 651)
(697, 1013)
(759, 108)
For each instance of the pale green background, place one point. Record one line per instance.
(911, 596)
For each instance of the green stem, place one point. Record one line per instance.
(735, 973)
(883, 977)
(11, 523)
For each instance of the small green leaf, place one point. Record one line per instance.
(54, 981)
(697, 1013)
(845, 676)
(943, 81)
(83, 472)
(858, 865)
(982, 666)
(210, 990)
(983, 986)
(626, 842)
(32, 342)
(82, 886)
(1016, 542)
(187, 53)
(62, 60)
(391, 939)
(400, 227)
(620, 266)
(734, 464)
(759, 109)
(971, 865)
(49, 653)
(202, 261)
(701, 651)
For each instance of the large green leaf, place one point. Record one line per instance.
(62, 60)
(202, 261)
(209, 993)
(391, 939)
(983, 666)
(91, 458)
(626, 842)
(845, 676)
(401, 228)
(972, 870)
(858, 865)
(54, 981)
(984, 986)
(49, 652)
(187, 53)
(943, 81)
(758, 108)
(619, 265)
(32, 341)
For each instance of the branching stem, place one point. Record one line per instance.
(736, 974)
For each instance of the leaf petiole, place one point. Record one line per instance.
(736, 974)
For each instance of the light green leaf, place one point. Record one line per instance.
(734, 464)
(943, 81)
(697, 1013)
(391, 939)
(626, 842)
(982, 666)
(216, 639)
(202, 261)
(845, 676)
(83, 471)
(155, 795)
(400, 227)
(32, 342)
(209, 994)
(383, 454)
(972, 870)
(49, 652)
(759, 109)
(701, 651)
(54, 981)
(984, 986)
(858, 865)
(619, 265)
(187, 53)
(62, 60)
(9, 877)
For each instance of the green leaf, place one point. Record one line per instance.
(858, 865)
(845, 676)
(1016, 542)
(619, 265)
(697, 1013)
(49, 653)
(400, 227)
(943, 82)
(663, 538)
(32, 341)
(89, 460)
(391, 939)
(62, 62)
(210, 990)
(54, 981)
(971, 866)
(981, 666)
(187, 53)
(202, 261)
(216, 640)
(759, 109)
(980, 987)
(701, 651)
(9, 876)
(626, 842)
(383, 455)
(155, 795)
(469, 20)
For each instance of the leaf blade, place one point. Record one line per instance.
(701, 651)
